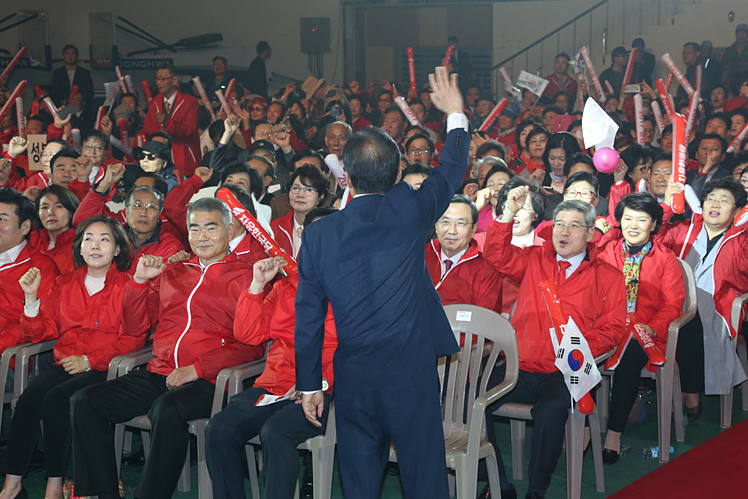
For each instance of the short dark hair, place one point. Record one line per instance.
(741, 111)
(222, 58)
(665, 156)
(172, 69)
(552, 109)
(122, 260)
(417, 169)
(729, 184)
(584, 177)
(695, 46)
(163, 135)
(62, 154)
(562, 54)
(311, 177)
(641, 201)
(372, 160)
(464, 199)
(395, 109)
(244, 198)
(159, 183)
(538, 130)
(529, 121)
(499, 168)
(316, 213)
(269, 171)
(490, 145)
(262, 46)
(24, 207)
(69, 46)
(637, 42)
(538, 197)
(635, 154)
(65, 197)
(714, 136)
(577, 158)
(64, 143)
(423, 136)
(98, 135)
(216, 129)
(308, 153)
(721, 116)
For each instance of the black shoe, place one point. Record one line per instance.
(307, 487)
(136, 459)
(694, 413)
(610, 456)
(393, 469)
(533, 495)
(505, 494)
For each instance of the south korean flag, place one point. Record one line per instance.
(574, 359)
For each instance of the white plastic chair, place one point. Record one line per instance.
(739, 344)
(667, 377)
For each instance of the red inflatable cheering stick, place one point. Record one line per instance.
(635, 330)
(560, 320)
(255, 230)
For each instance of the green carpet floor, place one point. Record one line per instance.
(627, 470)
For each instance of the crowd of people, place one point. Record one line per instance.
(112, 246)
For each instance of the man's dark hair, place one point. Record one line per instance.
(721, 116)
(739, 158)
(695, 46)
(395, 109)
(583, 177)
(741, 111)
(490, 145)
(425, 137)
(498, 168)
(372, 160)
(172, 69)
(486, 98)
(159, 182)
(635, 154)
(647, 117)
(417, 169)
(665, 156)
(415, 101)
(383, 92)
(24, 207)
(667, 130)
(729, 184)
(316, 213)
(538, 197)
(62, 154)
(308, 153)
(463, 199)
(311, 177)
(575, 159)
(552, 109)
(64, 143)
(421, 130)
(269, 171)
(262, 46)
(98, 135)
(126, 94)
(36, 117)
(64, 196)
(121, 260)
(563, 54)
(69, 46)
(244, 198)
(163, 135)
(714, 136)
(641, 201)
(225, 61)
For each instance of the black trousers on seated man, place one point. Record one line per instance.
(552, 401)
(95, 411)
(281, 427)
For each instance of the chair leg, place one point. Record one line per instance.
(252, 468)
(128, 442)
(184, 484)
(574, 440)
(680, 429)
(466, 481)
(603, 403)
(597, 451)
(493, 475)
(726, 409)
(517, 428)
(204, 485)
(323, 460)
(119, 437)
(664, 405)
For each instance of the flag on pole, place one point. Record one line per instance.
(534, 84)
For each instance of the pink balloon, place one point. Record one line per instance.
(606, 159)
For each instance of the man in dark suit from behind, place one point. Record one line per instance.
(368, 262)
(69, 75)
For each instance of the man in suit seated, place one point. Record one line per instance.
(367, 262)
(591, 291)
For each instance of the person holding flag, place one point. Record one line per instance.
(591, 291)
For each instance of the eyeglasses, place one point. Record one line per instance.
(414, 152)
(582, 193)
(91, 147)
(148, 155)
(258, 108)
(643, 169)
(306, 190)
(573, 227)
(262, 134)
(459, 224)
(722, 201)
(149, 208)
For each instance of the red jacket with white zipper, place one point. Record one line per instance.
(274, 318)
(181, 125)
(194, 306)
(11, 294)
(594, 295)
(730, 271)
(62, 253)
(471, 280)
(85, 325)
(283, 232)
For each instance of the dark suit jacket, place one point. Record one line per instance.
(257, 78)
(61, 84)
(368, 261)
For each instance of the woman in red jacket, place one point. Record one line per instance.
(55, 207)
(83, 311)
(655, 293)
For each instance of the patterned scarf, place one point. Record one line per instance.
(631, 267)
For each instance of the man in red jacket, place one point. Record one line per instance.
(194, 304)
(591, 291)
(175, 113)
(17, 214)
(458, 270)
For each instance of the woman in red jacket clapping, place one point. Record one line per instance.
(83, 311)
(55, 207)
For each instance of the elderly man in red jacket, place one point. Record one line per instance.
(458, 270)
(591, 291)
(176, 114)
(194, 304)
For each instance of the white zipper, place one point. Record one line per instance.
(189, 312)
(3, 269)
(438, 284)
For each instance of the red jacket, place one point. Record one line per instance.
(250, 251)
(85, 325)
(471, 280)
(274, 318)
(162, 244)
(594, 296)
(736, 103)
(730, 271)
(11, 295)
(62, 253)
(181, 126)
(360, 124)
(283, 232)
(662, 290)
(553, 87)
(194, 307)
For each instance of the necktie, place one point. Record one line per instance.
(167, 108)
(447, 266)
(562, 266)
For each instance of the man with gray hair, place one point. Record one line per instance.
(591, 291)
(193, 304)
